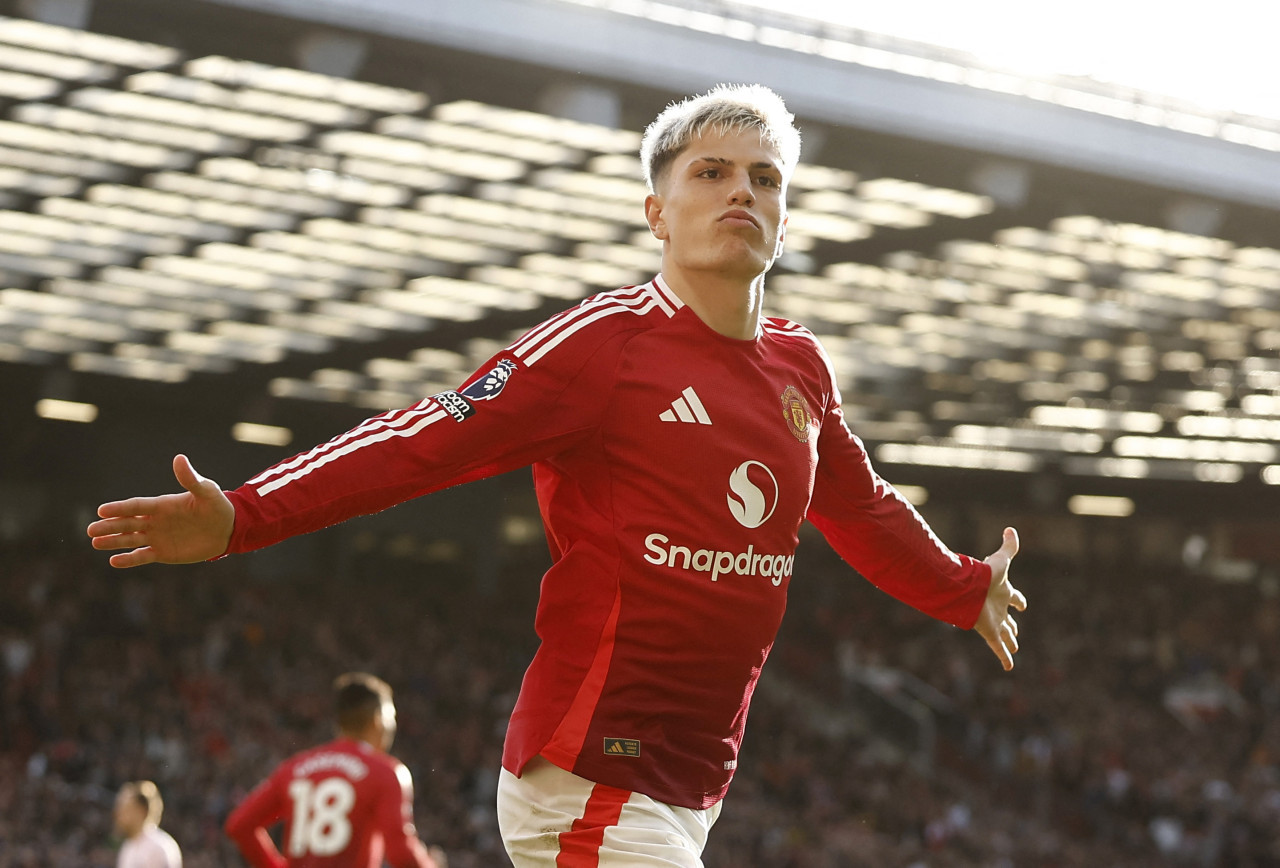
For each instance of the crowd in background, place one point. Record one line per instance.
(1139, 727)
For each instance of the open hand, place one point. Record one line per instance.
(996, 623)
(181, 528)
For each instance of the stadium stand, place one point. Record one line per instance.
(195, 239)
(202, 682)
(311, 214)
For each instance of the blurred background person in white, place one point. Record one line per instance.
(137, 818)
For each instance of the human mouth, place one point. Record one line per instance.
(739, 218)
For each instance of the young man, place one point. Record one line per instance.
(137, 818)
(345, 804)
(678, 439)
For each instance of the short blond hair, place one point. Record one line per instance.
(724, 108)
(147, 795)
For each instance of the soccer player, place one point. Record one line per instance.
(678, 438)
(344, 804)
(137, 819)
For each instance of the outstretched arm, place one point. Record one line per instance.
(995, 623)
(184, 528)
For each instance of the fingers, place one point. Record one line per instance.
(1017, 599)
(186, 474)
(1003, 556)
(132, 506)
(1000, 629)
(1009, 544)
(135, 558)
(124, 523)
(1002, 653)
(118, 540)
(1005, 643)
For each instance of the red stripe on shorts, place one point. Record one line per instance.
(580, 846)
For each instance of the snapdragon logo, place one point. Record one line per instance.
(718, 563)
(748, 503)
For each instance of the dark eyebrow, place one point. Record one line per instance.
(763, 164)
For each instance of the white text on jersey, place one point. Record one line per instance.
(748, 563)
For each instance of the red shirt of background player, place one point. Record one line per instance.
(345, 804)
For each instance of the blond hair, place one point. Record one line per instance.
(146, 794)
(725, 108)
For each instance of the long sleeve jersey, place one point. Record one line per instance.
(343, 805)
(673, 468)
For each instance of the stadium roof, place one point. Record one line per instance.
(195, 232)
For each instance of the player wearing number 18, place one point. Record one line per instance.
(345, 804)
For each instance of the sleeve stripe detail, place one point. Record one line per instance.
(532, 346)
(393, 420)
(539, 341)
(396, 417)
(543, 329)
(790, 329)
(566, 333)
(352, 446)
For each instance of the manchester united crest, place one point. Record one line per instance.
(795, 410)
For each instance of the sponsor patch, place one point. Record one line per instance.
(621, 747)
(795, 410)
(455, 405)
(491, 384)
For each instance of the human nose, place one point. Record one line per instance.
(740, 191)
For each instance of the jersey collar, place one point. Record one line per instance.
(666, 297)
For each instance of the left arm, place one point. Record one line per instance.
(393, 818)
(881, 535)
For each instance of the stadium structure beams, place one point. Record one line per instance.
(581, 40)
(981, 337)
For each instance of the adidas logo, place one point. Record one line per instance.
(621, 747)
(687, 408)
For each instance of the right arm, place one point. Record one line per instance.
(528, 412)
(444, 440)
(247, 825)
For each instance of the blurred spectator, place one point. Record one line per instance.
(1084, 756)
(138, 809)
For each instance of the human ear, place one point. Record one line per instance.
(653, 214)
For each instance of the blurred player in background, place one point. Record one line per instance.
(344, 804)
(137, 819)
(678, 439)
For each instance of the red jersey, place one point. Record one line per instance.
(343, 805)
(673, 469)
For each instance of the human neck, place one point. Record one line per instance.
(729, 305)
(372, 736)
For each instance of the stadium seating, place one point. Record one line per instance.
(212, 213)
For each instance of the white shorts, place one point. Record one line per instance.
(551, 818)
